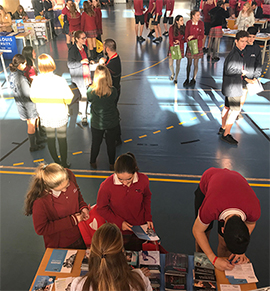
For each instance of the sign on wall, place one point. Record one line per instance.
(8, 46)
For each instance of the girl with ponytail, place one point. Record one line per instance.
(108, 267)
(55, 202)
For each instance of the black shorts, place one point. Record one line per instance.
(149, 16)
(207, 27)
(158, 20)
(139, 19)
(234, 103)
(199, 197)
(168, 19)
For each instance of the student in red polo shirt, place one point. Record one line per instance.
(168, 15)
(139, 18)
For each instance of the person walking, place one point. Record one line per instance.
(139, 19)
(168, 18)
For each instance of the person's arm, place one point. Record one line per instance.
(25, 86)
(147, 202)
(103, 206)
(201, 30)
(44, 226)
(202, 240)
(172, 8)
(73, 62)
(171, 36)
(231, 69)
(154, 7)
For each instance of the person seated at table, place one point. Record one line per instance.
(5, 20)
(245, 18)
(124, 198)
(258, 11)
(20, 13)
(56, 204)
(108, 267)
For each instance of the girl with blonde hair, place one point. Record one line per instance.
(105, 115)
(245, 18)
(55, 202)
(108, 267)
(52, 95)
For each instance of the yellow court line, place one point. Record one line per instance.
(193, 118)
(128, 140)
(156, 131)
(40, 160)
(144, 69)
(151, 179)
(182, 122)
(77, 153)
(170, 127)
(142, 136)
(18, 164)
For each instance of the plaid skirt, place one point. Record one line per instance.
(195, 57)
(91, 33)
(216, 32)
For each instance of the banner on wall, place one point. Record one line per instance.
(8, 46)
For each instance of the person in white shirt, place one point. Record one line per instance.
(108, 267)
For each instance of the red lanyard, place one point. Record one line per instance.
(111, 58)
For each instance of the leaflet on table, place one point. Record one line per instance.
(145, 233)
(63, 284)
(61, 261)
(241, 274)
(229, 287)
(43, 283)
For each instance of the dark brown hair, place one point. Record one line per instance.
(126, 163)
(16, 61)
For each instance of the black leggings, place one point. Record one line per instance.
(61, 134)
(110, 138)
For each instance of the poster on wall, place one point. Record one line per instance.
(8, 46)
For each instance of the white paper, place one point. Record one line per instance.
(229, 287)
(255, 88)
(62, 284)
(242, 271)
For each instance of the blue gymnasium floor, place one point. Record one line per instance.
(171, 130)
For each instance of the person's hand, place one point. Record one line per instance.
(238, 259)
(190, 37)
(126, 226)
(85, 213)
(235, 26)
(150, 224)
(79, 217)
(102, 61)
(176, 42)
(223, 264)
(233, 16)
(85, 61)
(146, 272)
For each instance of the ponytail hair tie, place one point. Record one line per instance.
(103, 256)
(44, 167)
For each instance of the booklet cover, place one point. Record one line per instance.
(241, 274)
(61, 261)
(176, 263)
(145, 233)
(43, 283)
(150, 260)
(63, 284)
(132, 258)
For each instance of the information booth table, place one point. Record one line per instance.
(76, 270)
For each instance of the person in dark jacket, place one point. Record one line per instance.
(20, 86)
(218, 20)
(258, 11)
(104, 114)
(20, 13)
(252, 63)
(38, 7)
(78, 64)
(49, 14)
(232, 86)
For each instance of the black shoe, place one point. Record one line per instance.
(93, 165)
(150, 34)
(37, 148)
(160, 38)
(138, 38)
(175, 81)
(118, 142)
(215, 59)
(165, 33)
(229, 139)
(111, 167)
(141, 39)
(186, 83)
(156, 40)
(84, 121)
(208, 57)
(221, 131)
(205, 50)
(192, 82)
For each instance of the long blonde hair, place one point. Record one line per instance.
(46, 177)
(108, 267)
(249, 8)
(102, 84)
(46, 64)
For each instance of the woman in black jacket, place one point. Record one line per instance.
(78, 64)
(26, 108)
(49, 14)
